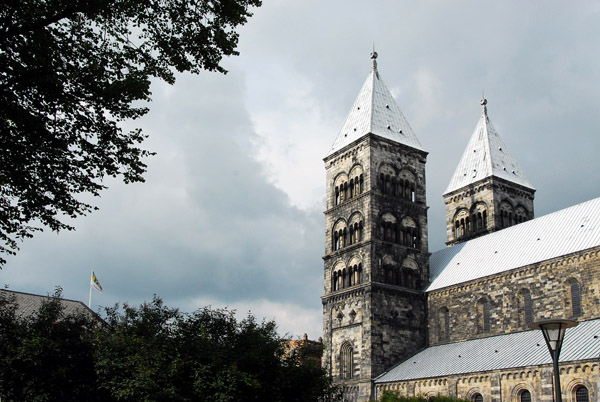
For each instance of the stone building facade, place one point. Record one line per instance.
(567, 286)
(488, 190)
(454, 322)
(376, 260)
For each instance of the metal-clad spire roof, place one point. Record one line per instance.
(486, 155)
(375, 112)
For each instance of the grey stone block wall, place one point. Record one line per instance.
(383, 316)
(493, 195)
(548, 283)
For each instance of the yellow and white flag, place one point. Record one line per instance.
(95, 283)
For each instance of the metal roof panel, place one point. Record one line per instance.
(518, 349)
(375, 112)
(486, 155)
(560, 233)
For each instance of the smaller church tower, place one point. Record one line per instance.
(488, 190)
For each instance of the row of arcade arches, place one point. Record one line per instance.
(349, 186)
(403, 231)
(344, 277)
(401, 185)
(467, 222)
(391, 229)
(346, 233)
(474, 220)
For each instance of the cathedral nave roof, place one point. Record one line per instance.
(563, 232)
(519, 349)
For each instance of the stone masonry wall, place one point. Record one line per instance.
(548, 283)
(380, 311)
(491, 193)
(506, 385)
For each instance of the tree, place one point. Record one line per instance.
(70, 72)
(150, 353)
(47, 356)
(154, 353)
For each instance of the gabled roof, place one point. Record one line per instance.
(518, 349)
(567, 231)
(28, 304)
(486, 155)
(375, 112)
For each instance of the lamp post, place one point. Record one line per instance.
(554, 333)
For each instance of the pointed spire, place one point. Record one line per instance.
(486, 155)
(375, 112)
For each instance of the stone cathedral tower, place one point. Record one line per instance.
(376, 254)
(488, 191)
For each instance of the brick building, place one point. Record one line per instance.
(454, 322)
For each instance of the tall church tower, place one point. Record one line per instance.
(488, 190)
(376, 257)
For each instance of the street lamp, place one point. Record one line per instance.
(554, 333)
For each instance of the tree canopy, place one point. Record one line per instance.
(151, 353)
(70, 72)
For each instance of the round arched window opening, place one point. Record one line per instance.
(582, 394)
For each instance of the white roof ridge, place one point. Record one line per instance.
(486, 155)
(375, 111)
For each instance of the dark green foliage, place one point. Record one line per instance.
(47, 356)
(155, 353)
(70, 71)
(390, 396)
(151, 353)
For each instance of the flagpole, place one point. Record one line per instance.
(90, 300)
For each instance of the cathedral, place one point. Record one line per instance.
(454, 322)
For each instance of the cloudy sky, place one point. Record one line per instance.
(231, 213)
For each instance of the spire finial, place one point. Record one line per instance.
(484, 107)
(374, 59)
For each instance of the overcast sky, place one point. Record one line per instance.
(231, 213)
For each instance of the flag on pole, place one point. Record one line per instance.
(95, 283)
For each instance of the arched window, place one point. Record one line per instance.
(444, 324)
(525, 396)
(525, 307)
(575, 298)
(582, 394)
(389, 228)
(358, 274)
(409, 232)
(346, 361)
(360, 231)
(477, 398)
(483, 315)
(361, 179)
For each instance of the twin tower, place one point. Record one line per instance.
(376, 254)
